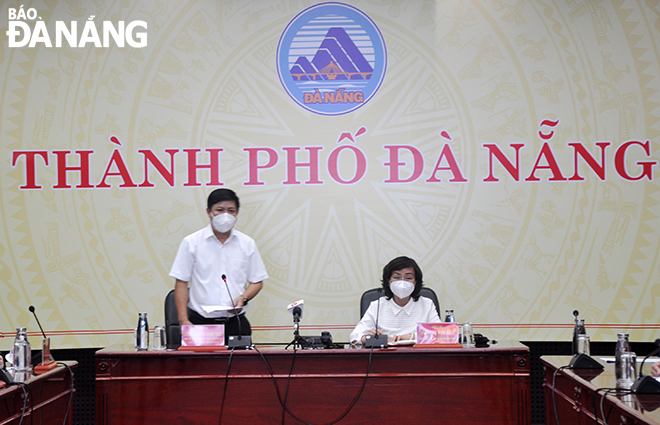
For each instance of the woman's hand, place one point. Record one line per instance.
(404, 337)
(655, 369)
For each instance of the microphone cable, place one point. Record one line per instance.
(288, 379)
(359, 394)
(554, 391)
(23, 385)
(277, 389)
(602, 400)
(343, 415)
(26, 388)
(68, 406)
(224, 390)
(593, 395)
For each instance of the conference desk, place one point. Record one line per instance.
(576, 401)
(50, 397)
(404, 385)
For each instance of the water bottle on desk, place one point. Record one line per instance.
(622, 346)
(142, 333)
(579, 329)
(22, 351)
(449, 316)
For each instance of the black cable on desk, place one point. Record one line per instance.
(602, 400)
(554, 391)
(25, 387)
(343, 415)
(68, 406)
(288, 379)
(25, 397)
(277, 390)
(31, 403)
(357, 397)
(594, 403)
(224, 390)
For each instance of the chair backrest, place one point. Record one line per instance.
(172, 328)
(372, 295)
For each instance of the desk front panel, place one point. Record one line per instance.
(49, 398)
(576, 400)
(404, 385)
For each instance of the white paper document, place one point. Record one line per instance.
(214, 308)
(639, 360)
(402, 342)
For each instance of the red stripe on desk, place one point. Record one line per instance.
(97, 332)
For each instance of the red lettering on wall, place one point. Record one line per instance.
(452, 165)
(551, 164)
(620, 161)
(254, 167)
(580, 150)
(30, 166)
(151, 158)
(395, 164)
(213, 166)
(117, 161)
(63, 169)
(292, 165)
(513, 170)
(360, 164)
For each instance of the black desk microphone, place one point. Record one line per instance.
(645, 384)
(376, 341)
(233, 341)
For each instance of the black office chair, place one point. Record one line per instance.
(372, 295)
(172, 328)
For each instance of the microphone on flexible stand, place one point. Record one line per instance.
(31, 308)
(645, 384)
(233, 341)
(581, 360)
(45, 347)
(376, 341)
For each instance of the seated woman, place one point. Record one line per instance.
(401, 308)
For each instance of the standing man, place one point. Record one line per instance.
(207, 255)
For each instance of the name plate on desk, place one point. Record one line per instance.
(202, 338)
(438, 334)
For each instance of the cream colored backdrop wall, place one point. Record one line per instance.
(521, 254)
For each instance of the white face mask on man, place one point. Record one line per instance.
(223, 222)
(402, 288)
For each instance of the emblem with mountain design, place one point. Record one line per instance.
(331, 59)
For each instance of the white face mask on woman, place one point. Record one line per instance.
(223, 222)
(402, 288)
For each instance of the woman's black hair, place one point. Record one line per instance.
(397, 264)
(220, 195)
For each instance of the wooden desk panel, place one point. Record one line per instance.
(466, 386)
(574, 397)
(47, 402)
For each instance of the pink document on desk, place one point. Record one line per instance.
(202, 335)
(437, 333)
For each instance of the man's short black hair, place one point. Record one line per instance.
(397, 264)
(220, 195)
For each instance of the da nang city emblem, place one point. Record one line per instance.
(331, 59)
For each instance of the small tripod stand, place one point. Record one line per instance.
(298, 341)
